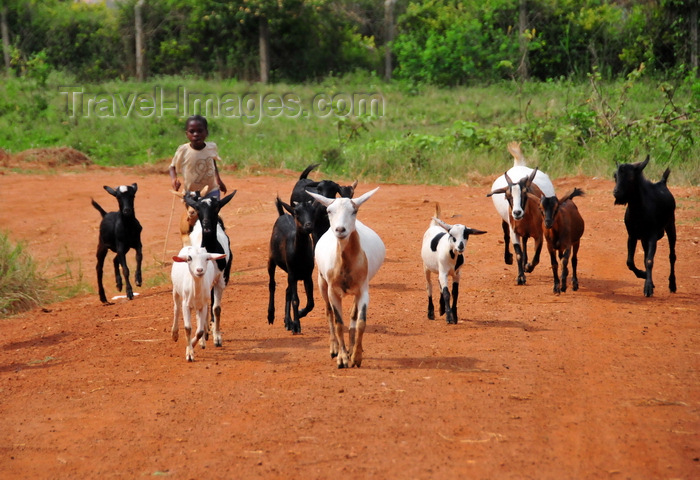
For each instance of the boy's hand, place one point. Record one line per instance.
(176, 185)
(222, 187)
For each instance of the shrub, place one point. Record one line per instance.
(21, 286)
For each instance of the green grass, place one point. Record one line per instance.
(423, 134)
(21, 285)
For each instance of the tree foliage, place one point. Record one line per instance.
(444, 42)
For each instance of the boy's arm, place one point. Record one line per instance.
(173, 178)
(222, 186)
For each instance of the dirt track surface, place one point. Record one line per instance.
(598, 383)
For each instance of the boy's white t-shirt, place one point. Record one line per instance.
(197, 166)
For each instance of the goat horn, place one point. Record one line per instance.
(510, 182)
(644, 163)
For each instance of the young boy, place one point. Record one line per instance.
(196, 161)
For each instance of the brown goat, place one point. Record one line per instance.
(523, 197)
(563, 228)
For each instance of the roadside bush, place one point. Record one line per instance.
(21, 286)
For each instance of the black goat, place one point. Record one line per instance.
(292, 251)
(650, 211)
(327, 188)
(119, 232)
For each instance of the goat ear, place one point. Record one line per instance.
(136, 187)
(110, 190)
(287, 207)
(191, 202)
(497, 191)
(320, 198)
(217, 256)
(364, 197)
(473, 231)
(226, 199)
(178, 259)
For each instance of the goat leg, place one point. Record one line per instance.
(323, 288)
(288, 300)
(295, 323)
(574, 264)
(117, 273)
(564, 257)
(445, 299)
(356, 360)
(631, 247)
(519, 257)
(455, 295)
(125, 269)
(555, 270)
(507, 256)
(309, 289)
(536, 259)
(271, 287)
(101, 254)
(353, 327)
(671, 232)
(139, 260)
(342, 358)
(649, 253)
(429, 289)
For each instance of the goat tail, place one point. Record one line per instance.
(664, 177)
(576, 192)
(438, 210)
(278, 204)
(518, 157)
(308, 170)
(99, 209)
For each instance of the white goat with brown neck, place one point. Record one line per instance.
(348, 255)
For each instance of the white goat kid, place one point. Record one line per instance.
(348, 255)
(443, 254)
(192, 275)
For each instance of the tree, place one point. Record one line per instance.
(389, 28)
(5, 36)
(138, 27)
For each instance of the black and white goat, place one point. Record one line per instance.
(209, 232)
(119, 232)
(650, 212)
(291, 250)
(443, 254)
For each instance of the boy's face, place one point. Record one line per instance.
(196, 134)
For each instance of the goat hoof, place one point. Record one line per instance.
(508, 259)
(431, 316)
(521, 281)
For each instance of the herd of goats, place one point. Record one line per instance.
(319, 227)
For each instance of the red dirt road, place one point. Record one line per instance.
(598, 383)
